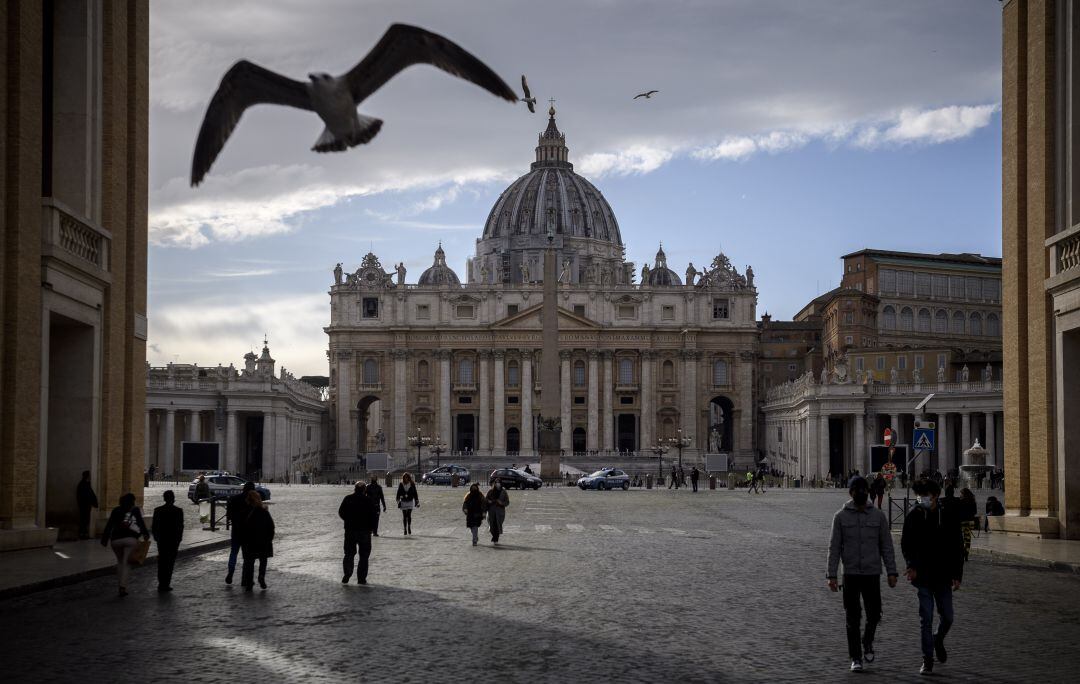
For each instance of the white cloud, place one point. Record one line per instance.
(939, 125)
(635, 159)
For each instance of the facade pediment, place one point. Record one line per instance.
(529, 319)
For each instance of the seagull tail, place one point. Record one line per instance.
(367, 127)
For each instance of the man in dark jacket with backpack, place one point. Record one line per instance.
(168, 529)
(358, 512)
(933, 546)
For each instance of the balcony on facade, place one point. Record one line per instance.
(1064, 256)
(464, 386)
(74, 241)
(370, 387)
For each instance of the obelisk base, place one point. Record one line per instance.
(550, 454)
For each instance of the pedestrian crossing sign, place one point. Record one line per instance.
(924, 439)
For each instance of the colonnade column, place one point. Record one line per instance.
(195, 426)
(648, 392)
(282, 454)
(168, 463)
(526, 404)
(146, 439)
(499, 427)
(944, 444)
(401, 389)
(231, 447)
(565, 442)
(159, 457)
(269, 452)
(591, 436)
(965, 435)
(824, 463)
(991, 457)
(445, 431)
(861, 455)
(483, 423)
(608, 427)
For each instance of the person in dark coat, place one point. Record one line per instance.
(122, 532)
(407, 500)
(256, 540)
(168, 529)
(694, 474)
(236, 511)
(202, 489)
(85, 499)
(358, 511)
(674, 478)
(993, 507)
(877, 490)
(497, 501)
(474, 507)
(933, 548)
(375, 493)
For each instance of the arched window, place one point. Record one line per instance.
(924, 320)
(371, 372)
(941, 321)
(513, 374)
(906, 318)
(667, 428)
(993, 325)
(423, 371)
(465, 372)
(719, 373)
(888, 318)
(958, 323)
(626, 371)
(976, 323)
(667, 373)
(579, 374)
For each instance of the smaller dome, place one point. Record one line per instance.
(439, 273)
(660, 275)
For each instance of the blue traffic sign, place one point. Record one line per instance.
(923, 439)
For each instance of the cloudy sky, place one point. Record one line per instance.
(786, 133)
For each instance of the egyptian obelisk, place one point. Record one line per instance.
(548, 435)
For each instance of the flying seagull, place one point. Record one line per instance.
(647, 95)
(528, 99)
(334, 99)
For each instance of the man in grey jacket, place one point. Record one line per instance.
(861, 539)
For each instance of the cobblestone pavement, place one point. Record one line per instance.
(628, 586)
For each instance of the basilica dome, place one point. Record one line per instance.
(439, 273)
(660, 275)
(551, 198)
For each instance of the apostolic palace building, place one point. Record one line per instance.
(643, 353)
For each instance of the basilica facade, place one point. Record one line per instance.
(643, 354)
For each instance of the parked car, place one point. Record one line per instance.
(605, 478)
(226, 485)
(513, 477)
(442, 475)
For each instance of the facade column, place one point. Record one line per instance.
(168, 463)
(483, 422)
(565, 441)
(593, 427)
(146, 439)
(194, 426)
(608, 427)
(991, 457)
(401, 397)
(346, 442)
(894, 423)
(499, 423)
(965, 436)
(648, 392)
(269, 450)
(231, 447)
(283, 457)
(823, 461)
(159, 457)
(526, 404)
(445, 428)
(861, 457)
(944, 444)
(689, 418)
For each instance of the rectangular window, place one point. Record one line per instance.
(511, 309)
(922, 284)
(940, 360)
(309, 433)
(919, 361)
(579, 310)
(888, 280)
(779, 434)
(905, 282)
(464, 311)
(627, 311)
(849, 317)
(901, 363)
(626, 372)
(990, 288)
(465, 399)
(792, 367)
(859, 363)
(849, 339)
(720, 309)
(974, 288)
(370, 307)
(511, 400)
(956, 287)
(881, 363)
(940, 286)
(667, 312)
(579, 400)
(423, 311)
(626, 400)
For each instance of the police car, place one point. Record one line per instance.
(225, 485)
(605, 478)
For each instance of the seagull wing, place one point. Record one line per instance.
(532, 105)
(244, 85)
(525, 87)
(651, 92)
(640, 95)
(402, 46)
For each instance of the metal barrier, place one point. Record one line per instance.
(898, 510)
(214, 517)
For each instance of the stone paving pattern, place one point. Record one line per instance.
(623, 586)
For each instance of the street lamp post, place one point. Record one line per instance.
(660, 449)
(418, 441)
(437, 447)
(679, 442)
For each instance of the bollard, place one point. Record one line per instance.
(454, 479)
(389, 480)
(648, 481)
(712, 482)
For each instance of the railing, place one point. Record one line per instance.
(626, 387)
(370, 387)
(1065, 251)
(464, 386)
(60, 229)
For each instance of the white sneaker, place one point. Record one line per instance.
(856, 666)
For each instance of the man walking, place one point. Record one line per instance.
(861, 539)
(236, 511)
(375, 493)
(694, 474)
(85, 499)
(933, 547)
(674, 478)
(168, 529)
(358, 512)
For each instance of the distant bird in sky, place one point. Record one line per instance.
(528, 99)
(334, 99)
(647, 95)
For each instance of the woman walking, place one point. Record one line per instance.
(257, 541)
(123, 530)
(474, 507)
(407, 500)
(967, 510)
(497, 501)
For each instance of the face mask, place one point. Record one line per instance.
(923, 501)
(498, 485)
(860, 497)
